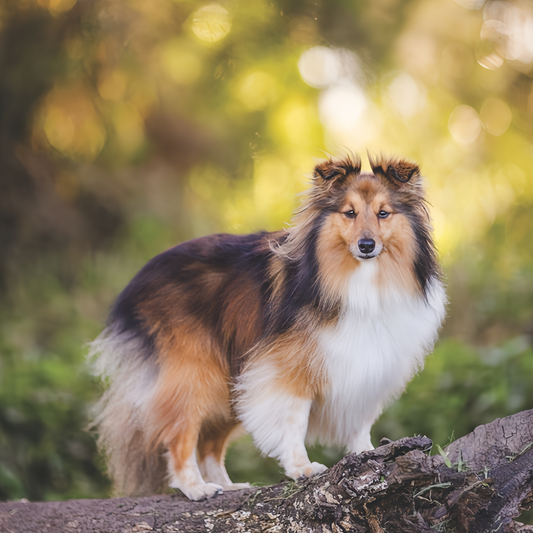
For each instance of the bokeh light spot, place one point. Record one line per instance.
(464, 124)
(496, 116)
(497, 32)
(319, 67)
(471, 4)
(72, 125)
(341, 106)
(407, 97)
(211, 23)
(57, 6)
(59, 128)
(487, 56)
(510, 29)
(112, 85)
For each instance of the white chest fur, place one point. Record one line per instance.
(375, 348)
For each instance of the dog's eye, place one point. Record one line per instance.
(349, 214)
(383, 214)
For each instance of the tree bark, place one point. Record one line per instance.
(479, 483)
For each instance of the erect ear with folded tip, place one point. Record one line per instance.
(335, 171)
(397, 171)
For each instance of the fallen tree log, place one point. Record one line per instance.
(479, 483)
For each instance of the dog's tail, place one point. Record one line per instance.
(135, 466)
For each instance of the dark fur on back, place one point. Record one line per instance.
(199, 279)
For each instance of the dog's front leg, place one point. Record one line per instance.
(277, 421)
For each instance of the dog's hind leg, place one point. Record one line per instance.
(212, 445)
(183, 466)
(192, 389)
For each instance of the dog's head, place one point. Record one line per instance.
(379, 215)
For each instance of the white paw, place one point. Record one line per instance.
(200, 492)
(237, 486)
(307, 470)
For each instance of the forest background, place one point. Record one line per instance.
(128, 126)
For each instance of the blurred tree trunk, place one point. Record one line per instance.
(479, 483)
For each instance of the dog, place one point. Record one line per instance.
(300, 335)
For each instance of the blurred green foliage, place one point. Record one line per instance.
(128, 126)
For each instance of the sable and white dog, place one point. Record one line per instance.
(298, 335)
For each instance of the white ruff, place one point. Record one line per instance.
(369, 356)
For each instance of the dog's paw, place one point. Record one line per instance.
(201, 492)
(237, 486)
(307, 470)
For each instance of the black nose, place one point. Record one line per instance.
(366, 245)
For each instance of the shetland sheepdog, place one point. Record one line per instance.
(301, 335)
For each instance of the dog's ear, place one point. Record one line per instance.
(397, 172)
(332, 172)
